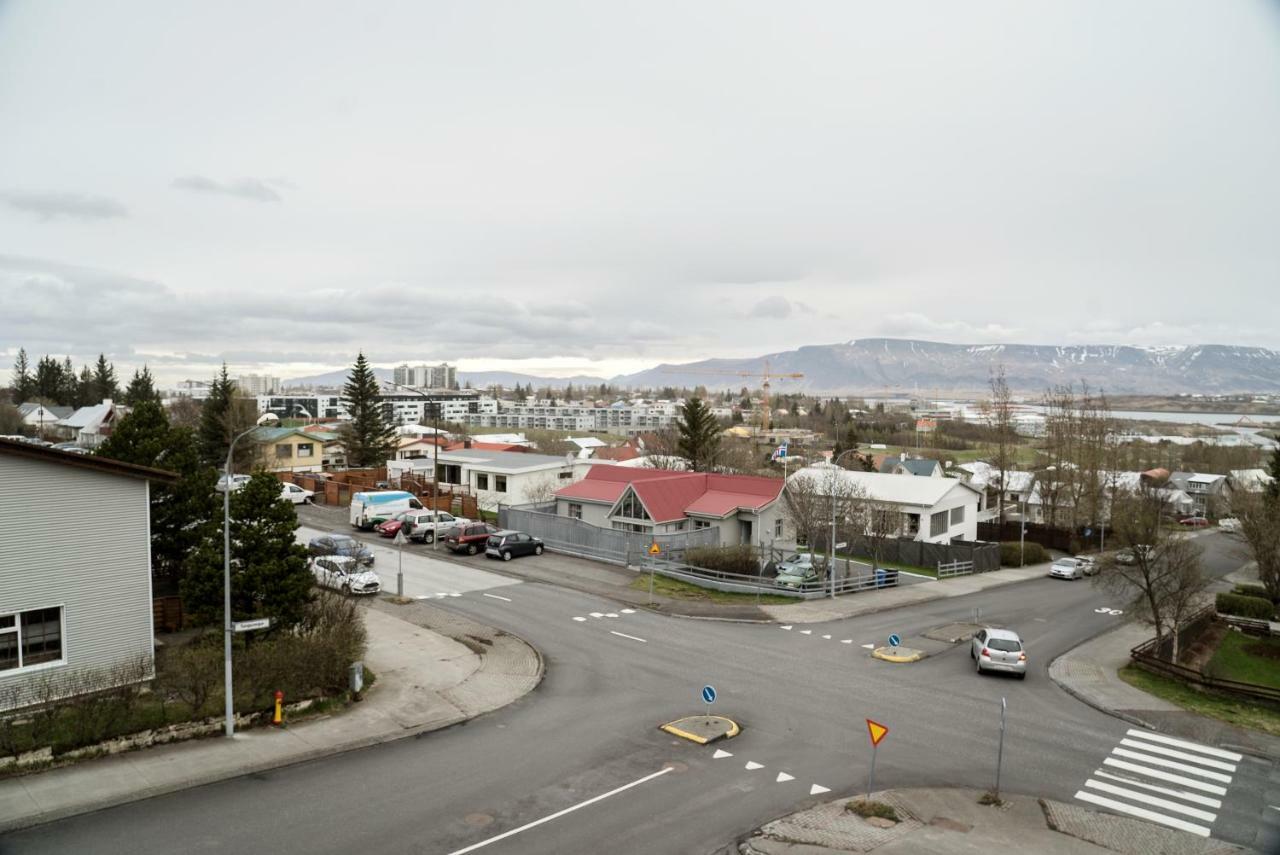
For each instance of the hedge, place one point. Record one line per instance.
(1011, 554)
(1241, 606)
(1252, 591)
(726, 559)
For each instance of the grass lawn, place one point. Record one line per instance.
(1239, 712)
(1246, 659)
(679, 590)
(888, 565)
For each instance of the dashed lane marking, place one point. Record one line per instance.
(753, 765)
(624, 635)
(720, 754)
(785, 627)
(496, 597)
(869, 646)
(806, 632)
(580, 619)
(628, 611)
(782, 777)
(818, 789)
(846, 641)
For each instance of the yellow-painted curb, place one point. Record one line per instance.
(674, 729)
(885, 654)
(684, 734)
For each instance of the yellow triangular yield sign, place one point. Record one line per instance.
(654, 549)
(877, 732)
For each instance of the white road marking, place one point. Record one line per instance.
(806, 632)
(421, 597)
(496, 597)
(818, 788)
(1132, 795)
(1180, 755)
(720, 754)
(628, 611)
(455, 595)
(1165, 776)
(753, 765)
(827, 637)
(1170, 764)
(1143, 813)
(596, 614)
(782, 777)
(1192, 746)
(1182, 794)
(624, 635)
(846, 641)
(610, 614)
(438, 594)
(579, 618)
(869, 647)
(504, 835)
(784, 627)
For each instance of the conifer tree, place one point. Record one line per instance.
(368, 437)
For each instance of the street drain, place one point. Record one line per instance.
(477, 820)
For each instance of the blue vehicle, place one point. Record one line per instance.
(369, 509)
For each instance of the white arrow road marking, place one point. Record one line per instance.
(806, 632)
(610, 614)
(783, 776)
(441, 595)
(869, 646)
(827, 637)
(628, 611)
(846, 641)
(753, 765)
(455, 595)
(421, 597)
(784, 627)
(624, 635)
(818, 788)
(596, 614)
(720, 753)
(474, 846)
(496, 597)
(579, 618)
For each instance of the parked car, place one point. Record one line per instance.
(1066, 568)
(995, 649)
(391, 527)
(1229, 524)
(344, 574)
(1193, 521)
(297, 495)
(508, 544)
(1129, 557)
(426, 526)
(796, 565)
(340, 544)
(237, 481)
(1088, 563)
(469, 538)
(797, 577)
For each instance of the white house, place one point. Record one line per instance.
(935, 510)
(73, 604)
(495, 477)
(38, 416)
(1250, 480)
(90, 426)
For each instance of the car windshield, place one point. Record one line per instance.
(344, 542)
(1008, 645)
(797, 558)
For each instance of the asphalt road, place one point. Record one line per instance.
(591, 729)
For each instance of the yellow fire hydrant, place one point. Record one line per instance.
(278, 718)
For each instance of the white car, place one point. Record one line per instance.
(297, 495)
(1088, 563)
(1067, 568)
(344, 574)
(1229, 524)
(237, 482)
(423, 526)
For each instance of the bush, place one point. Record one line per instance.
(1247, 607)
(1252, 591)
(1011, 554)
(864, 808)
(726, 559)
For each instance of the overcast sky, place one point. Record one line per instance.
(596, 187)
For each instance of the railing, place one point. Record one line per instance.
(955, 568)
(723, 580)
(1253, 626)
(1145, 657)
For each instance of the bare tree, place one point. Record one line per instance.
(873, 523)
(662, 450)
(812, 498)
(1000, 411)
(1161, 573)
(1259, 517)
(1054, 477)
(542, 491)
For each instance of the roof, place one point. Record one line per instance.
(511, 461)
(669, 495)
(622, 452)
(57, 412)
(275, 434)
(1251, 479)
(587, 441)
(882, 487)
(86, 416)
(94, 462)
(914, 465)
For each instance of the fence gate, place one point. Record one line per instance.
(955, 568)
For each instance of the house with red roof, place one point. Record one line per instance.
(744, 508)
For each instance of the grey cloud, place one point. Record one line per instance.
(78, 206)
(776, 307)
(252, 189)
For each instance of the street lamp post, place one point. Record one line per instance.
(263, 420)
(435, 461)
(835, 461)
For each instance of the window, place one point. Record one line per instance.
(913, 524)
(700, 524)
(30, 638)
(284, 450)
(957, 515)
(777, 527)
(575, 511)
(482, 481)
(306, 449)
(938, 523)
(500, 483)
(631, 507)
(565, 476)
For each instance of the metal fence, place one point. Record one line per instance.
(721, 580)
(954, 568)
(575, 537)
(916, 553)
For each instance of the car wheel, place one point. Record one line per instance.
(428, 538)
(1022, 675)
(506, 556)
(346, 590)
(471, 549)
(537, 550)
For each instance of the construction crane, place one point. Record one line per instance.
(764, 376)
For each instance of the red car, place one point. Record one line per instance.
(470, 538)
(1193, 522)
(390, 527)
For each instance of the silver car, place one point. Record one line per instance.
(1067, 568)
(999, 650)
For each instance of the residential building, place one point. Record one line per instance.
(579, 417)
(1250, 480)
(37, 416)
(317, 406)
(921, 466)
(496, 477)
(283, 449)
(442, 376)
(197, 389)
(401, 407)
(90, 426)
(73, 603)
(1210, 494)
(745, 508)
(258, 384)
(934, 510)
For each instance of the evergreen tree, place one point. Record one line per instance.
(223, 417)
(699, 432)
(368, 437)
(84, 388)
(104, 386)
(269, 575)
(142, 387)
(1273, 489)
(49, 383)
(71, 392)
(23, 383)
(568, 392)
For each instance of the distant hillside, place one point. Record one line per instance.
(478, 379)
(901, 366)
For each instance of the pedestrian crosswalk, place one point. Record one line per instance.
(1161, 779)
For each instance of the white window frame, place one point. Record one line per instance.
(575, 510)
(957, 515)
(933, 520)
(17, 631)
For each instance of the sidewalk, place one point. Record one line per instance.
(426, 680)
(951, 822)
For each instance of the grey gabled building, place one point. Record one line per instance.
(75, 579)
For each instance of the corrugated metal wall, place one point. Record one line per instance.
(79, 539)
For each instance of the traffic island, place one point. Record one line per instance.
(898, 654)
(703, 729)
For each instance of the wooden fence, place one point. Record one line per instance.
(1146, 656)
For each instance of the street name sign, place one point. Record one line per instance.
(248, 625)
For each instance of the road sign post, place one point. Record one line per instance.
(877, 732)
(1000, 749)
(250, 625)
(654, 552)
(894, 640)
(709, 696)
(400, 561)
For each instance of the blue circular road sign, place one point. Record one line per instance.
(709, 694)
(894, 641)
